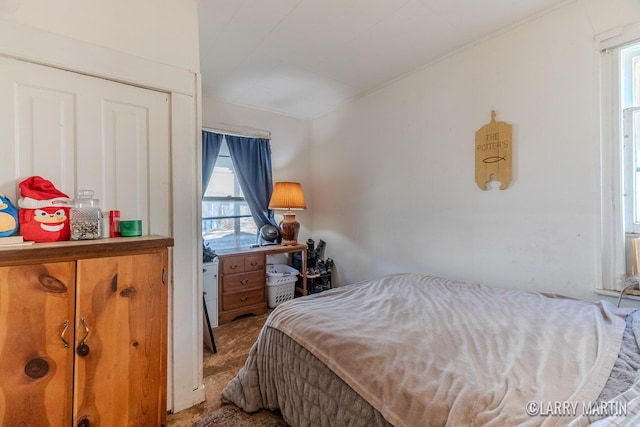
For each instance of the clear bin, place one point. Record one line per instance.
(85, 217)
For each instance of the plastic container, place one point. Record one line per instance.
(280, 273)
(84, 199)
(85, 217)
(280, 292)
(131, 228)
(281, 284)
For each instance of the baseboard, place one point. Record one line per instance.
(188, 400)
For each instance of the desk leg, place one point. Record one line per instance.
(303, 253)
(304, 272)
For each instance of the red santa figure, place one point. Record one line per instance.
(44, 211)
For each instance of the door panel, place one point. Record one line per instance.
(44, 141)
(124, 142)
(123, 302)
(82, 132)
(35, 366)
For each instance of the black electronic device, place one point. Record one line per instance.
(268, 235)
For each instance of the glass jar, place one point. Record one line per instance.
(85, 217)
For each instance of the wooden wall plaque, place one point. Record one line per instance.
(493, 153)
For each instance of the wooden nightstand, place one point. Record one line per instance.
(242, 279)
(242, 285)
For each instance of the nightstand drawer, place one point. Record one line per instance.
(232, 265)
(242, 282)
(241, 264)
(254, 262)
(242, 299)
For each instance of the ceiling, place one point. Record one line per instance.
(304, 58)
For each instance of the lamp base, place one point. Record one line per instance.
(289, 228)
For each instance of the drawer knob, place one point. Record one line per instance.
(254, 263)
(243, 298)
(83, 348)
(244, 281)
(233, 267)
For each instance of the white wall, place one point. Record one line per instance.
(155, 45)
(393, 173)
(162, 31)
(289, 146)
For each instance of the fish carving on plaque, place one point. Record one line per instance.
(493, 153)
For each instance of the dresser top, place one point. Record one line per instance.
(268, 250)
(80, 249)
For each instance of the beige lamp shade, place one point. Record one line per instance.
(287, 195)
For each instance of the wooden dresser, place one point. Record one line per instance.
(83, 333)
(242, 279)
(241, 285)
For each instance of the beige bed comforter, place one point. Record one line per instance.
(428, 351)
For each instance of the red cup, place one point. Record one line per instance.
(114, 223)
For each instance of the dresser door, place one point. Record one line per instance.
(121, 332)
(36, 366)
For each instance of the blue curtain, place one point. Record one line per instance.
(251, 159)
(211, 143)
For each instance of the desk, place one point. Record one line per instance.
(242, 279)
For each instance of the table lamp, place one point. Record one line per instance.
(288, 196)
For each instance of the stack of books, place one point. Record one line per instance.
(13, 241)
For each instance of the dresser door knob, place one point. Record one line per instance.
(244, 298)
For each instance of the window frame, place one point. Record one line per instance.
(612, 268)
(630, 170)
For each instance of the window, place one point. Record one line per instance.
(226, 217)
(620, 152)
(630, 113)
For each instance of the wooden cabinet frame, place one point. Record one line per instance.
(83, 335)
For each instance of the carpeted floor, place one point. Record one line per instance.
(232, 416)
(233, 341)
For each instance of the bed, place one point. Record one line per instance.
(417, 350)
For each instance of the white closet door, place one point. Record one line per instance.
(83, 132)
